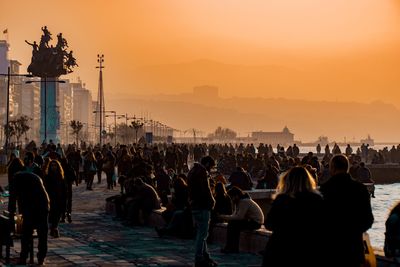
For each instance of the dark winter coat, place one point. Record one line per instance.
(57, 191)
(32, 197)
(295, 222)
(349, 215)
(200, 196)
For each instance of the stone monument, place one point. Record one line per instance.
(49, 63)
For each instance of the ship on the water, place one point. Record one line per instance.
(323, 141)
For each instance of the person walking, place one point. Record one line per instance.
(27, 189)
(295, 220)
(348, 212)
(202, 202)
(69, 178)
(57, 191)
(108, 168)
(90, 169)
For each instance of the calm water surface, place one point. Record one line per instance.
(386, 197)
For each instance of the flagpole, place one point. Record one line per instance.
(5, 32)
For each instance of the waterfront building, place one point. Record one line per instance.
(285, 137)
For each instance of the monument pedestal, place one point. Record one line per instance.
(50, 117)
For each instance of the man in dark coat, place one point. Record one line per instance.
(348, 215)
(201, 202)
(33, 203)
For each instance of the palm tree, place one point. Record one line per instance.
(136, 125)
(76, 128)
(21, 126)
(17, 127)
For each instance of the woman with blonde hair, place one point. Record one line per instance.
(295, 219)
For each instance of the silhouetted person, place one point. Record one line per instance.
(247, 216)
(223, 203)
(108, 168)
(37, 158)
(27, 189)
(295, 220)
(99, 165)
(202, 202)
(270, 180)
(241, 179)
(90, 169)
(56, 189)
(349, 150)
(318, 149)
(144, 201)
(13, 167)
(180, 222)
(349, 214)
(163, 181)
(31, 166)
(392, 234)
(69, 178)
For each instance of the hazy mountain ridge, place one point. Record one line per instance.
(338, 79)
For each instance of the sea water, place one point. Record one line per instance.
(386, 196)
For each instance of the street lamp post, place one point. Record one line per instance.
(115, 122)
(100, 60)
(8, 75)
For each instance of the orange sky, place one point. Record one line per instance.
(348, 43)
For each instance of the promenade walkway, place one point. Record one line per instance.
(94, 239)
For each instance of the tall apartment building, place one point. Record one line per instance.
(65, 105)
(27, 102)
(4, 47)
(4, 63)
(83, 109)
(16, 85)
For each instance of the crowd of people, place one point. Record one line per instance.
(195, 197)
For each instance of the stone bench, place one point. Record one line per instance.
(250, 241)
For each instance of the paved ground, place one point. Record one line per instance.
(94, 239)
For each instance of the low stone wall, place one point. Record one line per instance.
(385, 173)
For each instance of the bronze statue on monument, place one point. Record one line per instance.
(50, 61)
